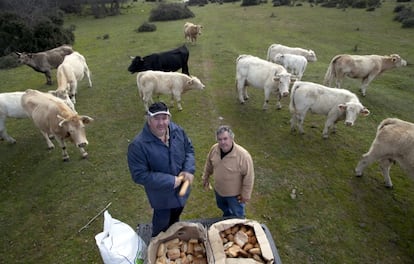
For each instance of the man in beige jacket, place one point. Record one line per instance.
(232, 167)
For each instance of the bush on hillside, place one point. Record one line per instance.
(405, 15)
(170, 11)
(408, 23)
(147, 27)
(197, 2)
(8, 61)
(20, 34)
(250, 2)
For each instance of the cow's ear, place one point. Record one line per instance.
(342, 107)
(365, 111)
(86, 119)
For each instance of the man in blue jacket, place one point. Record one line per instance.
(156, 157)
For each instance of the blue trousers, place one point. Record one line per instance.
(162, 219)
(230, 206)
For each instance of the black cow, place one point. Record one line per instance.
(45, 61)
(167, 61)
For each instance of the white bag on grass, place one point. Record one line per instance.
(119, 243)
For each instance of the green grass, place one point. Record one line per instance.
(336, 218)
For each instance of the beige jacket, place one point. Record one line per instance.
(234, 174)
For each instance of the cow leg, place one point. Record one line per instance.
(177, 97)
(73, 91)
(61, 142)
(365, 83)
(385, 165)
(266, 98)
(278, 103)
(49, 143)
(242, 90)
(3, 131)
(48, 78)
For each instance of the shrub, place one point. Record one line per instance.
(408, 23)
(170, 11)
(250, 2)
(8, 61)
(147, 27)
(197, 2)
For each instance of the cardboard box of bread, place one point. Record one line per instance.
(182, 243)
(240, 241)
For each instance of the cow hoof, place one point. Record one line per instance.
(84, 155)
(66, 159)
(389, 187)
(325, 136)
(50, 148)
(359, 175)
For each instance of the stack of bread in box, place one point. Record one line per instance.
(231, 241)
(240, 241)
(182, 243)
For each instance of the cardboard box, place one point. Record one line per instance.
(216, 243)
(184, 231)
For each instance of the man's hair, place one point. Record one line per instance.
(224, 128)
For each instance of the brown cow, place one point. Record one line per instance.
(365, 67)
(191, 31)
(55, 118)
(394, 142)
(45, 61)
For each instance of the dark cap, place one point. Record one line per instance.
(157, 109)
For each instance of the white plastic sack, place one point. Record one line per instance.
(119, 243)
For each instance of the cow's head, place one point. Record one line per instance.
(74, 128)
(64, 95)
(351, 111)
(398, 61)
(311, 56)
(282, 81)
(195, 83)
(137, 64)
(23, 57)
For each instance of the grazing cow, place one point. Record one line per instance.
(72, 70)
(295, 64)
(10, 106)
(45, 61)
(167, 61)
(191, 31)
(159, 82)
(336, 104)
(259, 73)
(365, 67)
(55, 118)
(279, 48)
(394, 142)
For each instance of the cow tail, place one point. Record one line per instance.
(330, 72)
(139, 75)
(292, 106)
(386, 122)
(62, 76)
(269, 51)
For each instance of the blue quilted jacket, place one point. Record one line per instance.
(154, 165)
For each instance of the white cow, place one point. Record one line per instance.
(295, 64)
(191, 31)
(72, 70)
(10, 106)
(262, 74)
(336, 104)
(279, 48)
(394, 142)
(159, 82)
(54, 118)
(365, 67)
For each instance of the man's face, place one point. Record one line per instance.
(159, 124)
(225, 141)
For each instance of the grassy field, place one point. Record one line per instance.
(336, 218)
